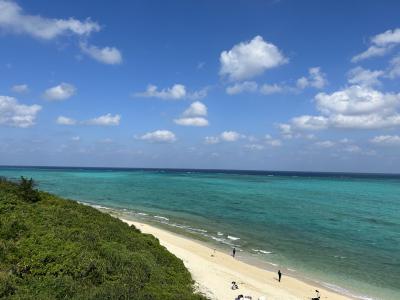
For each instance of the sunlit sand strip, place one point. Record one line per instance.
(214, 272)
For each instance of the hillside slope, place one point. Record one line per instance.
(52, 248)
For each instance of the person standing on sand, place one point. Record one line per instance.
(233, 252)
(279, 275)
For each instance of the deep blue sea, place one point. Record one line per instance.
(340, 230)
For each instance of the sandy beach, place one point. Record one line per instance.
(214, 271)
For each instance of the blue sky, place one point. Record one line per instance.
(275, 85)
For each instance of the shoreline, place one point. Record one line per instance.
(213, 271)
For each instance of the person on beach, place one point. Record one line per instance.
(233, 252)
(279, 275)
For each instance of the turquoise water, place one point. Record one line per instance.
(341, 230)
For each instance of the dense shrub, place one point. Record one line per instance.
(52, 248)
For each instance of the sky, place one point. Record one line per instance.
(266, 85)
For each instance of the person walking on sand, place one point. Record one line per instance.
(279, 275)
(233, 252)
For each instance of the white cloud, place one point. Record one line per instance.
(249, 59)
(106, 55)
(394, 69)
(61, 120)
(380, 45)
(13, 19)
(307, 122)
(194, 115)
(386, 140)
(160, 136)
(370, 52)
(105, 120)
(315, 79)
(357, 107)
(230, 136)
(76, 138)
(325, 144)
(246, 86)
(364, 77)
(211, 140)
(226, 136)
(268, 89)
(272, 142)
(254, 147)
(20, 88)
(357, 100)
(387, 37)
(17, 115)
(60, 92)
(197, 108)
(176, 92)
(192, 121)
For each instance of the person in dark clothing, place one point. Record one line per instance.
(234, 252)
(279, 275)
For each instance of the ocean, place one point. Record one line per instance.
(339, 230)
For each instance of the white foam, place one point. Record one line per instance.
(233, 238)
(220, 233)
(197, 229)
(142, 214)
(261, 251)
(161, 218)
(345, 292)
(292, 270)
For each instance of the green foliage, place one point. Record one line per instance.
(59, 249)
(26, 190)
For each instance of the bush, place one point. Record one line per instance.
(59, 249)
(26, 190)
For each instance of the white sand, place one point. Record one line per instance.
(214, 272)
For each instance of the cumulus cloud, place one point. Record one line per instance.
(60, 92)
(357, 100)
(225, 136)
(176, 92)
(246, 86)
(13, 19)
(159, 136)
(230, 136)
(357, 107)
(105, 120)
(386, 140)
(17, 115)
(20, 88)
(192, 121)
(249, 59)
(106, 55)
(196, 109)
(268, 89)
(364, 77)
(61, 120)
(380, 45)
(394, 69)
(194, 115)
(315, 79)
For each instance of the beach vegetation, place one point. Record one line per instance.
(52, 248)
